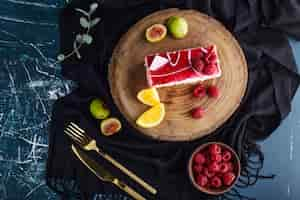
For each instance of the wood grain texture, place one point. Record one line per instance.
(127, 77)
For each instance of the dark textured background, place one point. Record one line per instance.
(30, 82)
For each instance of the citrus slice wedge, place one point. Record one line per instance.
(149, 97)
(152, 117)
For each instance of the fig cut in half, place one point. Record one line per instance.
(110, 126)
(156, 33)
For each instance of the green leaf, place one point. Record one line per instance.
(82, 12)
(84, 22)
(61, 57)
(93, 8)
(86, 38)
(79, 38)
(95, 21)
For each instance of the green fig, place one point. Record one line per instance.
(178, 27)
(98, 109)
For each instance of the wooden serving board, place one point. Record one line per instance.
(127, 77)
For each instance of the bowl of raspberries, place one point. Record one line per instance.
(214, 168)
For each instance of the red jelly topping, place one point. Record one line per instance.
(179, 66)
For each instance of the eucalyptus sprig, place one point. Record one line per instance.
(86, 22)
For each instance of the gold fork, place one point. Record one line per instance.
(89, 144)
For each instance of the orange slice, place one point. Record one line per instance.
(152, 117)
(149, 97)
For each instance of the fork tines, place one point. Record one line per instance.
(75, 133)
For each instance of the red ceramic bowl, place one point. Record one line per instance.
(207, 189)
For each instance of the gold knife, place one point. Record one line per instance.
(103, 174)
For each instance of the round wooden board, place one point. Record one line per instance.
(127, 77)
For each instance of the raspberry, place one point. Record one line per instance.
(198, 112)
(228, 178)
(210, 49)
(213, 91)
(199, 159)
(199, 91)
(210, 69)
(198, 64)
(214, 149)
(230, 166)
(224, 167)
(226, 156)
(216, 157)
(201, 180)
(197, 168)
(211, 58)
(216, 182)
(207, 157)
(198, 54)
(208, 173)
(214, 167)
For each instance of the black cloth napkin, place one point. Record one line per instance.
(261, 27)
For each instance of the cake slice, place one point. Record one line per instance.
(182, 66)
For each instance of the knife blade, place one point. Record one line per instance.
(104, 174)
